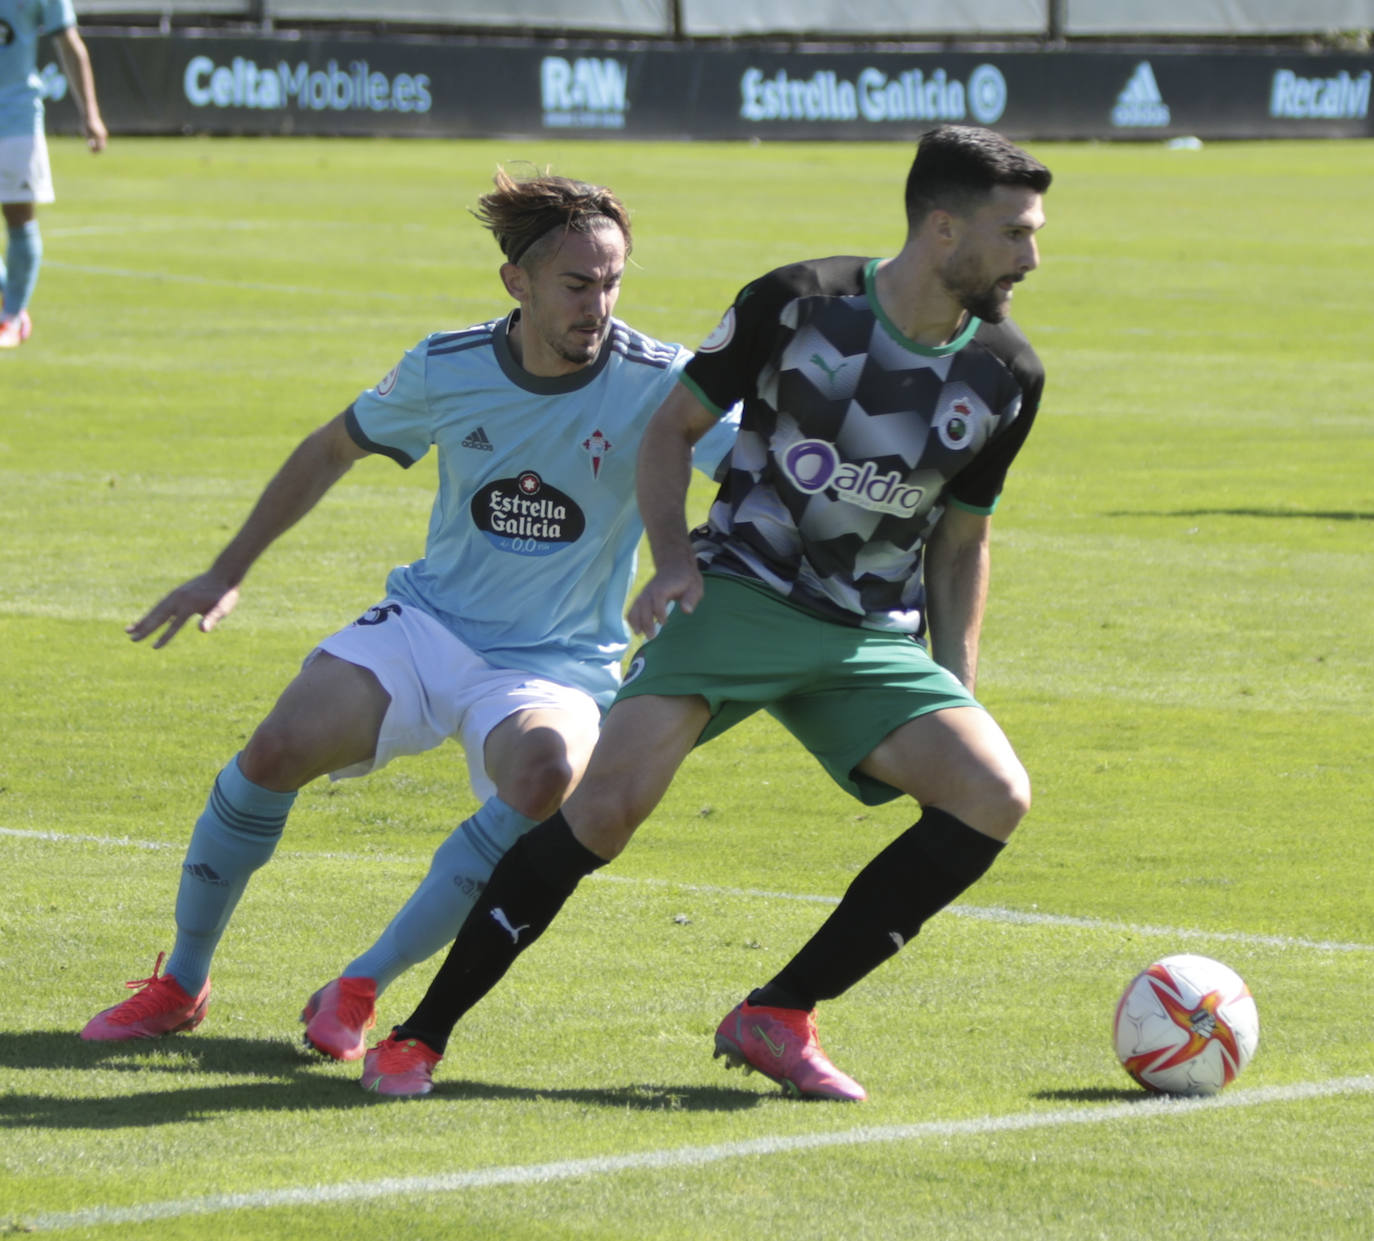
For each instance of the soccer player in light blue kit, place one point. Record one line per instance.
(25, 177)
(508, 635)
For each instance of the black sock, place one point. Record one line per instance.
(523, 895)
(916, 876)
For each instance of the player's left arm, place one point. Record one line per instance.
(956, 579)
(76, 65)
(957, 554)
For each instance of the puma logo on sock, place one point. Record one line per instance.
(499, 917)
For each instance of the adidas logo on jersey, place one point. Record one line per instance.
(478, 439)
(1140, 105)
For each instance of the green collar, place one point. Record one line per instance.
(927, 351)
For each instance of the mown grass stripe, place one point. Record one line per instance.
(982, 913)
(1146, 1109)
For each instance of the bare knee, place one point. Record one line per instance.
(642, 744)
(604, 819)
(277, 758)
(538, 787)
(1017, 798)
(999, 801)
(327, 719)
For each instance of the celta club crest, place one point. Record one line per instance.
(596, 446)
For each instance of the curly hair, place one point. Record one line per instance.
(521, 213)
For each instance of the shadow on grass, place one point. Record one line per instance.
(1308, 514)
(280, 1077)
(1095, 1094)
(644, 1096)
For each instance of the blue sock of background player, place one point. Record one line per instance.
(19, 273)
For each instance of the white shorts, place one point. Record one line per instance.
(25, 176)
(440, 688)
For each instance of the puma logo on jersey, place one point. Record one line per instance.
(831, 373)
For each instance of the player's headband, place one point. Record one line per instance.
(583, 222)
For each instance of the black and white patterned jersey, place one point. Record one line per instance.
(853, 439)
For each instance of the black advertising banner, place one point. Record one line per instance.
(334, 84)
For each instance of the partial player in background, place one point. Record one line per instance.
(25, 176)
(507, 636)
(883, 402)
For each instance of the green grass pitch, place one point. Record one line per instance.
(1178, 642)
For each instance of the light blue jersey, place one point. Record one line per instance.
(532, 540)
(22, 24)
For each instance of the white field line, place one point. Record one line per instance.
(982, 913)
(994, 913)
(410, 1187)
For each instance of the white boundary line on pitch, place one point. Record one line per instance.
(981, 913)
(995, 913)
(685, 1156)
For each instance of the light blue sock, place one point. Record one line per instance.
(430, 919)
(235, 834)
(23, 258)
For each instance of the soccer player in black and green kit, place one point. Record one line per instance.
(883, 402)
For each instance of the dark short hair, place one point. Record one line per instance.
(957, 166)
(521, 212)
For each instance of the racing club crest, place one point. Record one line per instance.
(962, 420)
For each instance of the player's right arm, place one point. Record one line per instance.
(663, 472)
(317, 463)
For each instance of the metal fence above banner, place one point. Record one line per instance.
(832, 19)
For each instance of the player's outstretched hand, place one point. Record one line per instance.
(206, 596)
(680, 585)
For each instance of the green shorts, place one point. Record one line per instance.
(837, 689)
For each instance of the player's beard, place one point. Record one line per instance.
(964, 281)
(578, 349)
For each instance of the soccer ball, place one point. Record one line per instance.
(1187, 1025)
